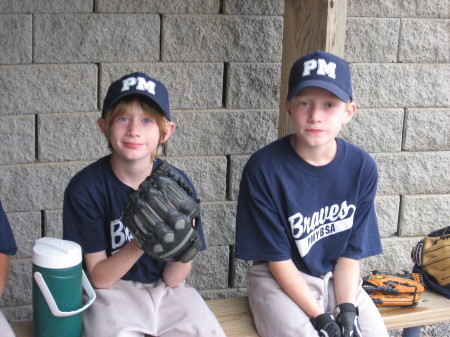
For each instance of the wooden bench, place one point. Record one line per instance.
(236, 319)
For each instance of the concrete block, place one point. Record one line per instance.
(222, 38)
(19, 313)
(16, 39)
(423, 41)
(219, 222)
(371, 40)
(254, 7)
(413, 173)
(422, 214)
(401, 85)
(375, 130)
(398, 8)
(210, 269)
(237, 164)
(35, 187)
(190, 85)
(158, 6)
(45, 6)
(26, 227)
(208, 174)
(75, 136)
(387, 208)
(53, 223)
(17, 137)
(240, 272)
(253, 86)
(427, 130)
(396, 256)
(48, 88)
(70, 38)
(18, 289)
(223, 293)
(228, 132)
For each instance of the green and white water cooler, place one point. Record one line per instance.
(58, 283)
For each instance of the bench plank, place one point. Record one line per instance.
(23, 329)
(234, 316)
(236, 319)
(432, 308)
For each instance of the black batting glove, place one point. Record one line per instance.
(347, 318)
(326, 326)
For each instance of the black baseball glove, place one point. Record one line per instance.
(326, 326)
(347, 319)
(161, 216)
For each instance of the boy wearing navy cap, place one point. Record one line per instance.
(136, 294)
(306, 216)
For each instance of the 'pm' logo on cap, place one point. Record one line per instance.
(323, 68)
(140, 83)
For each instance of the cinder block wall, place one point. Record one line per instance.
(221, 62)
(399, 54)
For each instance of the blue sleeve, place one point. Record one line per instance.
(260, 234)
(7, 241)
(364, 240)
(83, 220)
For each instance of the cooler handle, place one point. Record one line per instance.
(51, 301)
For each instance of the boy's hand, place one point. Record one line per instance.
(161, 216)
(348, 319)
(326, 326)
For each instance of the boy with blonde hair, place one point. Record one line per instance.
(306, 214)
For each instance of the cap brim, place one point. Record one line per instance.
(132, 93)
(334, 89)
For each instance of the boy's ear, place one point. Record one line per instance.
(350, 110)
(101, 124)
(170, 127)
(288, 107)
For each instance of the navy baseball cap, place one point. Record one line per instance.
(323, 70)
(137, 84)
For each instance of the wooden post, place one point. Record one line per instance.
(309, 25)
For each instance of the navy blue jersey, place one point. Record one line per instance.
(289, 209)
(7, 242)
(92, 211)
